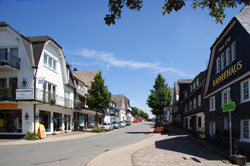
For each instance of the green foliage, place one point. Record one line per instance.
(135, 112)
(30, 136)
(98, 97)
(143, 115)
(98, 130)
(5, 92)
(216, 8)
(160, 96)
(76, 124)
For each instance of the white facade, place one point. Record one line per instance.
(51, 95)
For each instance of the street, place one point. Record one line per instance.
(72, 152)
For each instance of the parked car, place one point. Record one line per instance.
(116, 125)
(136, 121)
(107, 126)
(128, 122)
(123, 124)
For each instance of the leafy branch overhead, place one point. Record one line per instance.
(216, 8)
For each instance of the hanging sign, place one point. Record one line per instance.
(229, 107)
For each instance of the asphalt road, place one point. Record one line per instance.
(72, 152)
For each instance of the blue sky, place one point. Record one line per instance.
(131, 53)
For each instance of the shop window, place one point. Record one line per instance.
(245, 91)
(245, 135)
(225, 123)
(212, 103)
(45, 119)
(225, 96)
(228, 56)
(233, 49)
(199, 121)
(66, 122)
(212, 128)
(10, 121)
(57, 121)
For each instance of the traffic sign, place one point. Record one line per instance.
(229, 107)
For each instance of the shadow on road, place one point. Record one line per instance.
(138, 132)
(183, 144)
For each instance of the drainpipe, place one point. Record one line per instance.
(35, 99)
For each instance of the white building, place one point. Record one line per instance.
(123, 107)
(40, 84)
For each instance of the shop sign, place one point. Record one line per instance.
(229, 107)
(41, 131)
(24, 94)
(228, 73)
(3, 105)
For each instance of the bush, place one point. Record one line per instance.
(99, 130)
(158, 130)
(30, 136)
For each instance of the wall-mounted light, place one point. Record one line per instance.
(26, 116)
(24, 83)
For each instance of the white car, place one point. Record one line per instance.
(123, 124)
(107, 126)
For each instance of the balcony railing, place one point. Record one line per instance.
(53, 99)
(10, 60)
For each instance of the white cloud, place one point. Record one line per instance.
(110, 60)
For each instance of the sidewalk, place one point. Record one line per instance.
(49, 138)
(160, 150)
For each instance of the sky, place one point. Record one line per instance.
(130, 53)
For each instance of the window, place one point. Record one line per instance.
(190, 105)
(233, 49)
(199, 100)
(212, 128)
(49, 62)
(225, 123)
(194, 102)
(218, 64)
(194, 85)
(45, 57)
(191, 88)
(186, 108)
(199, 121)
(228, 56)
(5, 51)
(49, 92)
(245, 135)
(14, 51)
(185, 94)
(225, 96)
(197, 81)
(222, 61)
(245, 91)
(212, 103)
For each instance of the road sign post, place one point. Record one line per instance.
(229, 107)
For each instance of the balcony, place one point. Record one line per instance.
(9, 61)
(43, 96)
(53, 99)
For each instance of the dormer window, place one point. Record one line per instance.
(49, 62)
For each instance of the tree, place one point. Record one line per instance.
(134, 112)
(160, 96)
(143, 115)
(98, 97)
(216, 8)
